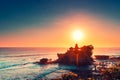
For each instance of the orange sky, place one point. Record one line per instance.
(98, 31)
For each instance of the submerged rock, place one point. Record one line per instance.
(76, 56)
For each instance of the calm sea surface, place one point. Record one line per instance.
(17, 63)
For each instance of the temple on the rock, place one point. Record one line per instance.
(76, 56)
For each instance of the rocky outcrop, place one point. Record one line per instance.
(43, 60)
(76, 56)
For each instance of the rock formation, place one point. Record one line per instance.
(76, 56)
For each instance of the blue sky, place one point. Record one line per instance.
(19, 14)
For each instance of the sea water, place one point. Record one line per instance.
(18, 63)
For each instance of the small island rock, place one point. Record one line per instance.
(76, 56)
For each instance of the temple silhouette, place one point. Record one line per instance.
(76, 56)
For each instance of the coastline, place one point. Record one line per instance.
(23, 67)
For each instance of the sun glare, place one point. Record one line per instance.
(77, 35)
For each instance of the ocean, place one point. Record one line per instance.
(18, 63)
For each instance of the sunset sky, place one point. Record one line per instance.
(50, 23)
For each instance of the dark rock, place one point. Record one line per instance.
(102, 57)
(43, 60)
(77, 56)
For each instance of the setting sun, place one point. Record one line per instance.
(77, 35)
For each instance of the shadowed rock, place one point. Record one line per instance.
(76, 56)
(43, 60)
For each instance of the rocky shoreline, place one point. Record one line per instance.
(81, 57)
(74, 56)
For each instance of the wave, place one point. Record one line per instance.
(53, 70)
(22, 55)
(46, 72)
(7, 65)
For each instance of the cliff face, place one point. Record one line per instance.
(77, 56)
